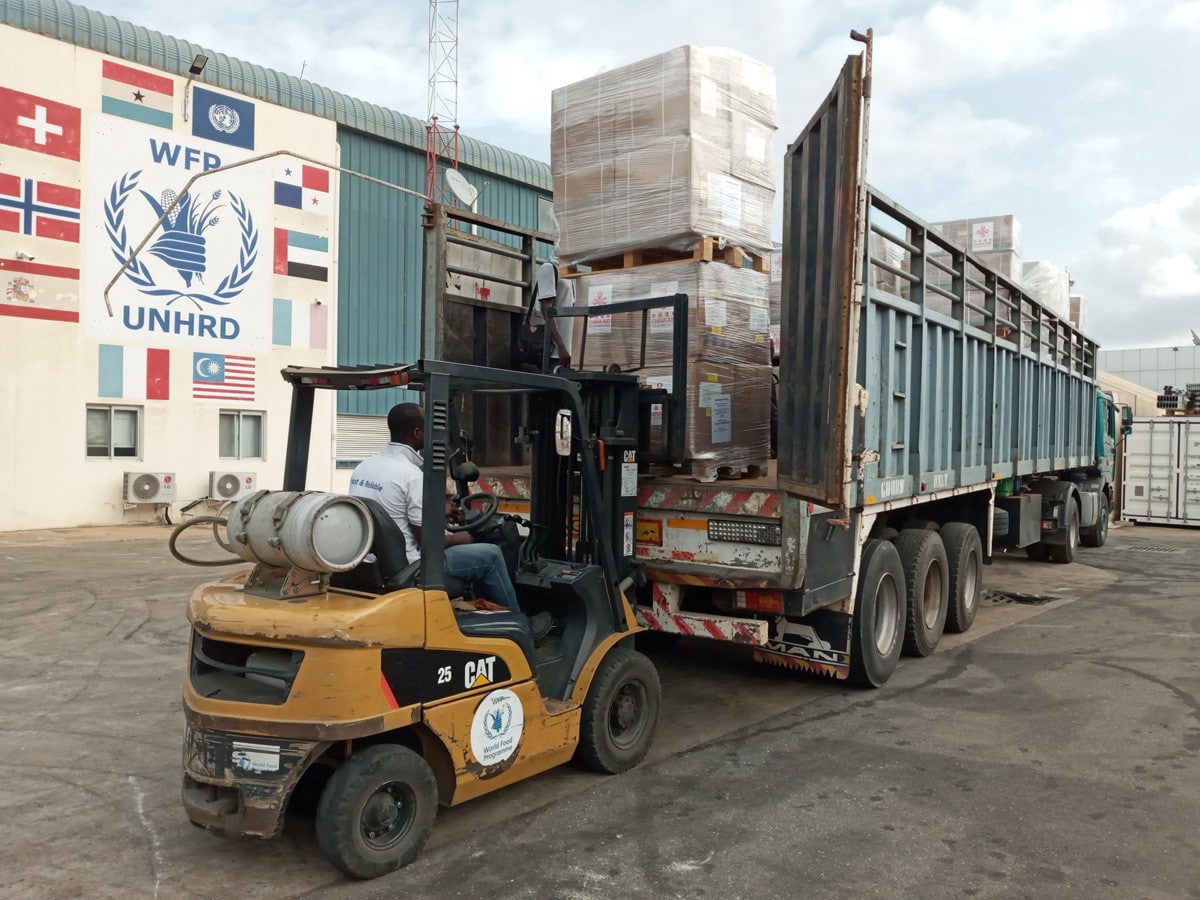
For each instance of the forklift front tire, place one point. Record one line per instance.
(377, 811)
(620, 712)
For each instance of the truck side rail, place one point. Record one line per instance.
(970, 379)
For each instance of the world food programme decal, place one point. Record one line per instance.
(496, 729)
(182, 247)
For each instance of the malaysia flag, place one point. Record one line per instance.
(38, 124)
(221, 376)
(39, 208)
(302, 187)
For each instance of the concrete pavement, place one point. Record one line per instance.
(1052, 750)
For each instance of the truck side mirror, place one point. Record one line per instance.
(1126, 420)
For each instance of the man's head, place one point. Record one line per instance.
(406, 423)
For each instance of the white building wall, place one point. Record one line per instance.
(53, 326)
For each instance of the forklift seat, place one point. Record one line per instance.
(389, 569)
(512, 625)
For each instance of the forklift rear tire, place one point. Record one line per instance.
(877, 631)
(377, 811)
(620, 712)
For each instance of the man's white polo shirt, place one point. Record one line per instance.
(393, 477)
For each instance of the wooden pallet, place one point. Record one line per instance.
(1180, 412)
(708, 249)
(708, 471)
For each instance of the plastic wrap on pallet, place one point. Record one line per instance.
(661, 151)
(728, 315)
(1079, 312)
(728, 415)
(1049, 285)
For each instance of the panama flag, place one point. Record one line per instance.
(302, 187)
(136, 94)
(38, 124)
(296, 323)
(39, 208)
(301, 255)
(134, 373)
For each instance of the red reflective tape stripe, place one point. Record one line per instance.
(387, 692)
(770, 505)
(715, 630)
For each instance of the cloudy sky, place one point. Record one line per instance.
(1081, 117)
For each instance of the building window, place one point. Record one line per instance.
(241, 435)
(114, 432)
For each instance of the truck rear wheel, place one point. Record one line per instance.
(964, 552)
(1098, 533)
(620, 712)
(1065, 553)
(927, 576)
(377, 811)
(876, 635)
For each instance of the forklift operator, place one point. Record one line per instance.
(394, 478)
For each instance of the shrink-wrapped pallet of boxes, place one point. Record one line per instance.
(662, 152)
(729, 318)
(1079, 312)
(1049, 285)
(728, 415)
(993, 240)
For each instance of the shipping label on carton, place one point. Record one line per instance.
(600, 295)
(715, 314)
(725, 199)
(707, 391)
(722, 419)
(662, 321)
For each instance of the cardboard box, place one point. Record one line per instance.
(729, 319)
(661, 196)
(982, 234)
(728, 414)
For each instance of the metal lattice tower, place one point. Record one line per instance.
(441, 129)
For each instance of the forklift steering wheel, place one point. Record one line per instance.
(473, 519)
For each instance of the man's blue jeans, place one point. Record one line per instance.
(483, 564)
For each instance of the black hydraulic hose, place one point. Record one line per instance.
(217, 522)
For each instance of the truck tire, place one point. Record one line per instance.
(876, 635)
(1065, 553)
(999, 525)
(377, 811)
(1098, 533)
(620, 712)
(927, 577)
(964, 552)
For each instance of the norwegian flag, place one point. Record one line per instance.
(39, 208)
(35, 123)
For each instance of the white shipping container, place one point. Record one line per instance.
(1162, 471)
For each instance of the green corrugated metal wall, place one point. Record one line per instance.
(380, 253)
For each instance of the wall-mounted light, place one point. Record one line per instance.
(194, 69)
(22, 255)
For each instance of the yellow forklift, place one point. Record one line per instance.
(337, 660)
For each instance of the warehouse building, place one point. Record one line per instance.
(140, 393)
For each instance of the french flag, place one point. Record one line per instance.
(134, 373)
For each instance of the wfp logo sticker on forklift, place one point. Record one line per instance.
(496, 729)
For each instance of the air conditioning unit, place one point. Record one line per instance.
(149, 487)
(231, 485)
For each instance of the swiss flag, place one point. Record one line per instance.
(38, 124)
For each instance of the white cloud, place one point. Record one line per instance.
(1185, 14)
(1143, 277)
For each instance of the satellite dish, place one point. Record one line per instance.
(466, 192)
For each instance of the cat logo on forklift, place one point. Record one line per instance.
(478, 672)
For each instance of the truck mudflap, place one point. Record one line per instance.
(237, 784)
(819, 643)
(663, 614)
